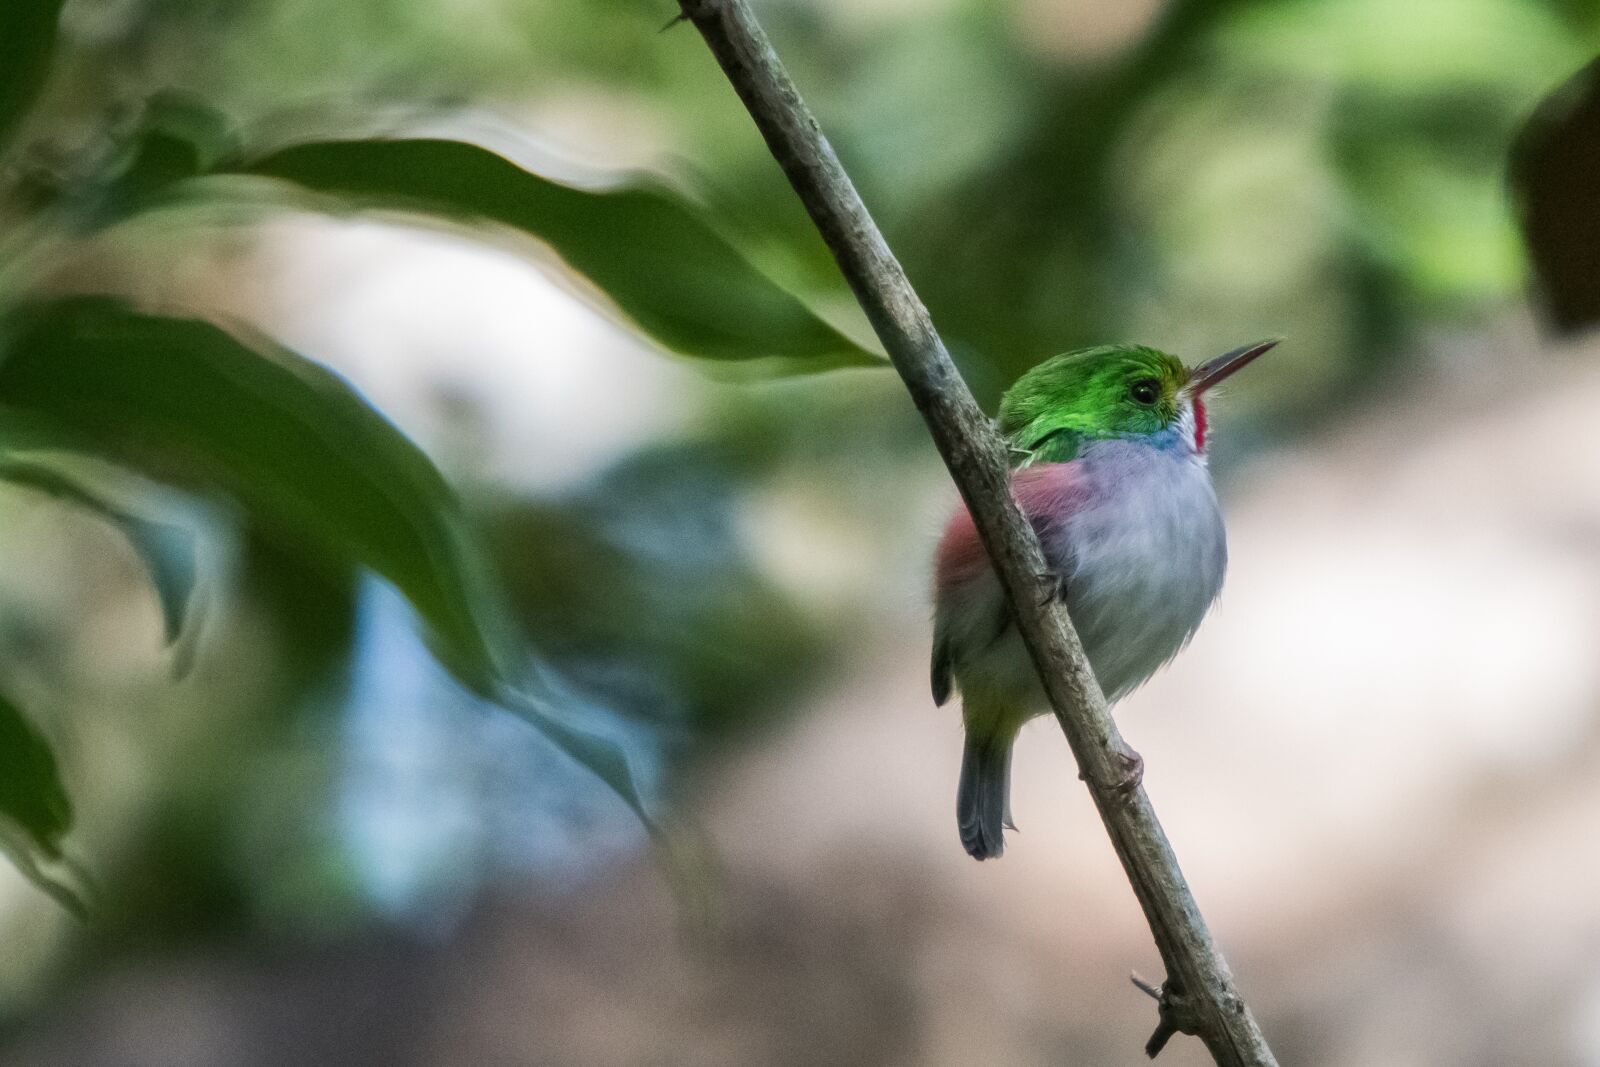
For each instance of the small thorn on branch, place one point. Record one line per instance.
(1053, 587)
(1176, 1013)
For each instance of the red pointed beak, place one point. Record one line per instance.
(1213, 371)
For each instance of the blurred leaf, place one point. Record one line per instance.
(27, 41)
(31, 792)
(1457, 47)
(167, 550)
(542, 702)
(178, 136)
(306, 457)
(642, 245)
(311, 602)
(35, 812)
(1555, 176)
(288, 439)
(644, 585)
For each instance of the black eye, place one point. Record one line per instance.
(1145, 391)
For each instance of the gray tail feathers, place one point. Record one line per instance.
(983, 799)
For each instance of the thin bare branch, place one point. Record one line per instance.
(1198, 996)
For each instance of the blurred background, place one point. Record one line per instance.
(1379, 761)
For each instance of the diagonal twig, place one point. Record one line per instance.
(1198, 996)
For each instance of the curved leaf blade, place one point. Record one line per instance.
(35, 811)
(31, 792)
(193, 404)
(663, 265)
(190, 403)
(168, 551)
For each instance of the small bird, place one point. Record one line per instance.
(1110, 449)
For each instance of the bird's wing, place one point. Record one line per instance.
(1047, 493)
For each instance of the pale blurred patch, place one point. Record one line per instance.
(436, 331)
(1083, 32)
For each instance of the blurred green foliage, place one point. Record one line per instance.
(642, 574)
(192, 405)
(27, 41)
(286, 439)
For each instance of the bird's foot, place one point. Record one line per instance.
(1131, 767)
(1053, 588)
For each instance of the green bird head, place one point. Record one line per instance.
(1113, 391)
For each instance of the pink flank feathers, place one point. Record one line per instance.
(1044, 492)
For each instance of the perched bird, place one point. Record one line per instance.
(1110, 446)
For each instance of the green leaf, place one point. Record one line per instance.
(191, 404)
(31, 793)
(1555, 179)
(35, 812)
(546, 702)
(178, 136)
(167, 550)
(643, 245)
(27, 43)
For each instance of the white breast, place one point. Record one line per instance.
(1143, 556)
(1144, 560)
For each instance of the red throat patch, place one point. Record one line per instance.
(1199, 425)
